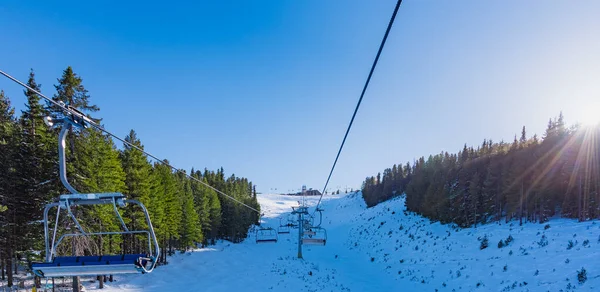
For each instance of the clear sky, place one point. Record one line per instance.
(265, 89)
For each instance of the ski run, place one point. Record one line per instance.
(385, 248)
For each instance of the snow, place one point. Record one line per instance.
(384, 248)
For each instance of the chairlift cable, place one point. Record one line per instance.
(360, 99)
(71, 111)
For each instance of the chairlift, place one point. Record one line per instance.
(284, 227)
(266, 235)
(314, 236)
(291, 221)
(60, 266)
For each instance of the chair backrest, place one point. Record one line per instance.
(283, 229)
(315, 236)
(267, 234)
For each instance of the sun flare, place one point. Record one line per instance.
(590, 115)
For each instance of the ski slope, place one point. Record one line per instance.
(385, 248)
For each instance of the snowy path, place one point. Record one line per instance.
(267, 267)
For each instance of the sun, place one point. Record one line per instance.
(590, 115)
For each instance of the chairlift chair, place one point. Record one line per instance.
(314, 236)
(284, 227)
(266, 235)
(291, 221)
(60, 266)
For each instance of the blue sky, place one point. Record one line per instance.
(265, 89)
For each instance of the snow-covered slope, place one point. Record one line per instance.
(384, 248)
(423, 255)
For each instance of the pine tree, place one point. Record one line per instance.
(492, 188)
(35, 166)
(475, 196)
(202, 203)
(550, 129)
(214, 205)
(9, 197)
(387, 187)
(71, 92)
(191, 232)
(523, 139)
(98, 166)
(98, 163)
(167, 190)
(560, 125)
(138, 183)
(7, 128)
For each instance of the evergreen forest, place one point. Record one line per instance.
(184, 212)
(529, 180)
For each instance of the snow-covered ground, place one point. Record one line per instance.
(385, 248)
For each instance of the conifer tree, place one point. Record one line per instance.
(202, 203)
(100, 170)
(138, 183)
(35, 166)
(71, 92)
(523, 138)
(32, 117)
(168, 228)
(7, 128)
(474, 194)
(528, 179)
(8, 197)
(214, 205)
(191, 232)
(492, 189)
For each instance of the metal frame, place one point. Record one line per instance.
(94, 200)
(75, 198)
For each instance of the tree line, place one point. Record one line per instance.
(184, 212)
(530, 179)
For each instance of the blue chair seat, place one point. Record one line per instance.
(90, 265)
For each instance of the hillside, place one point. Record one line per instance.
(385, 248)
